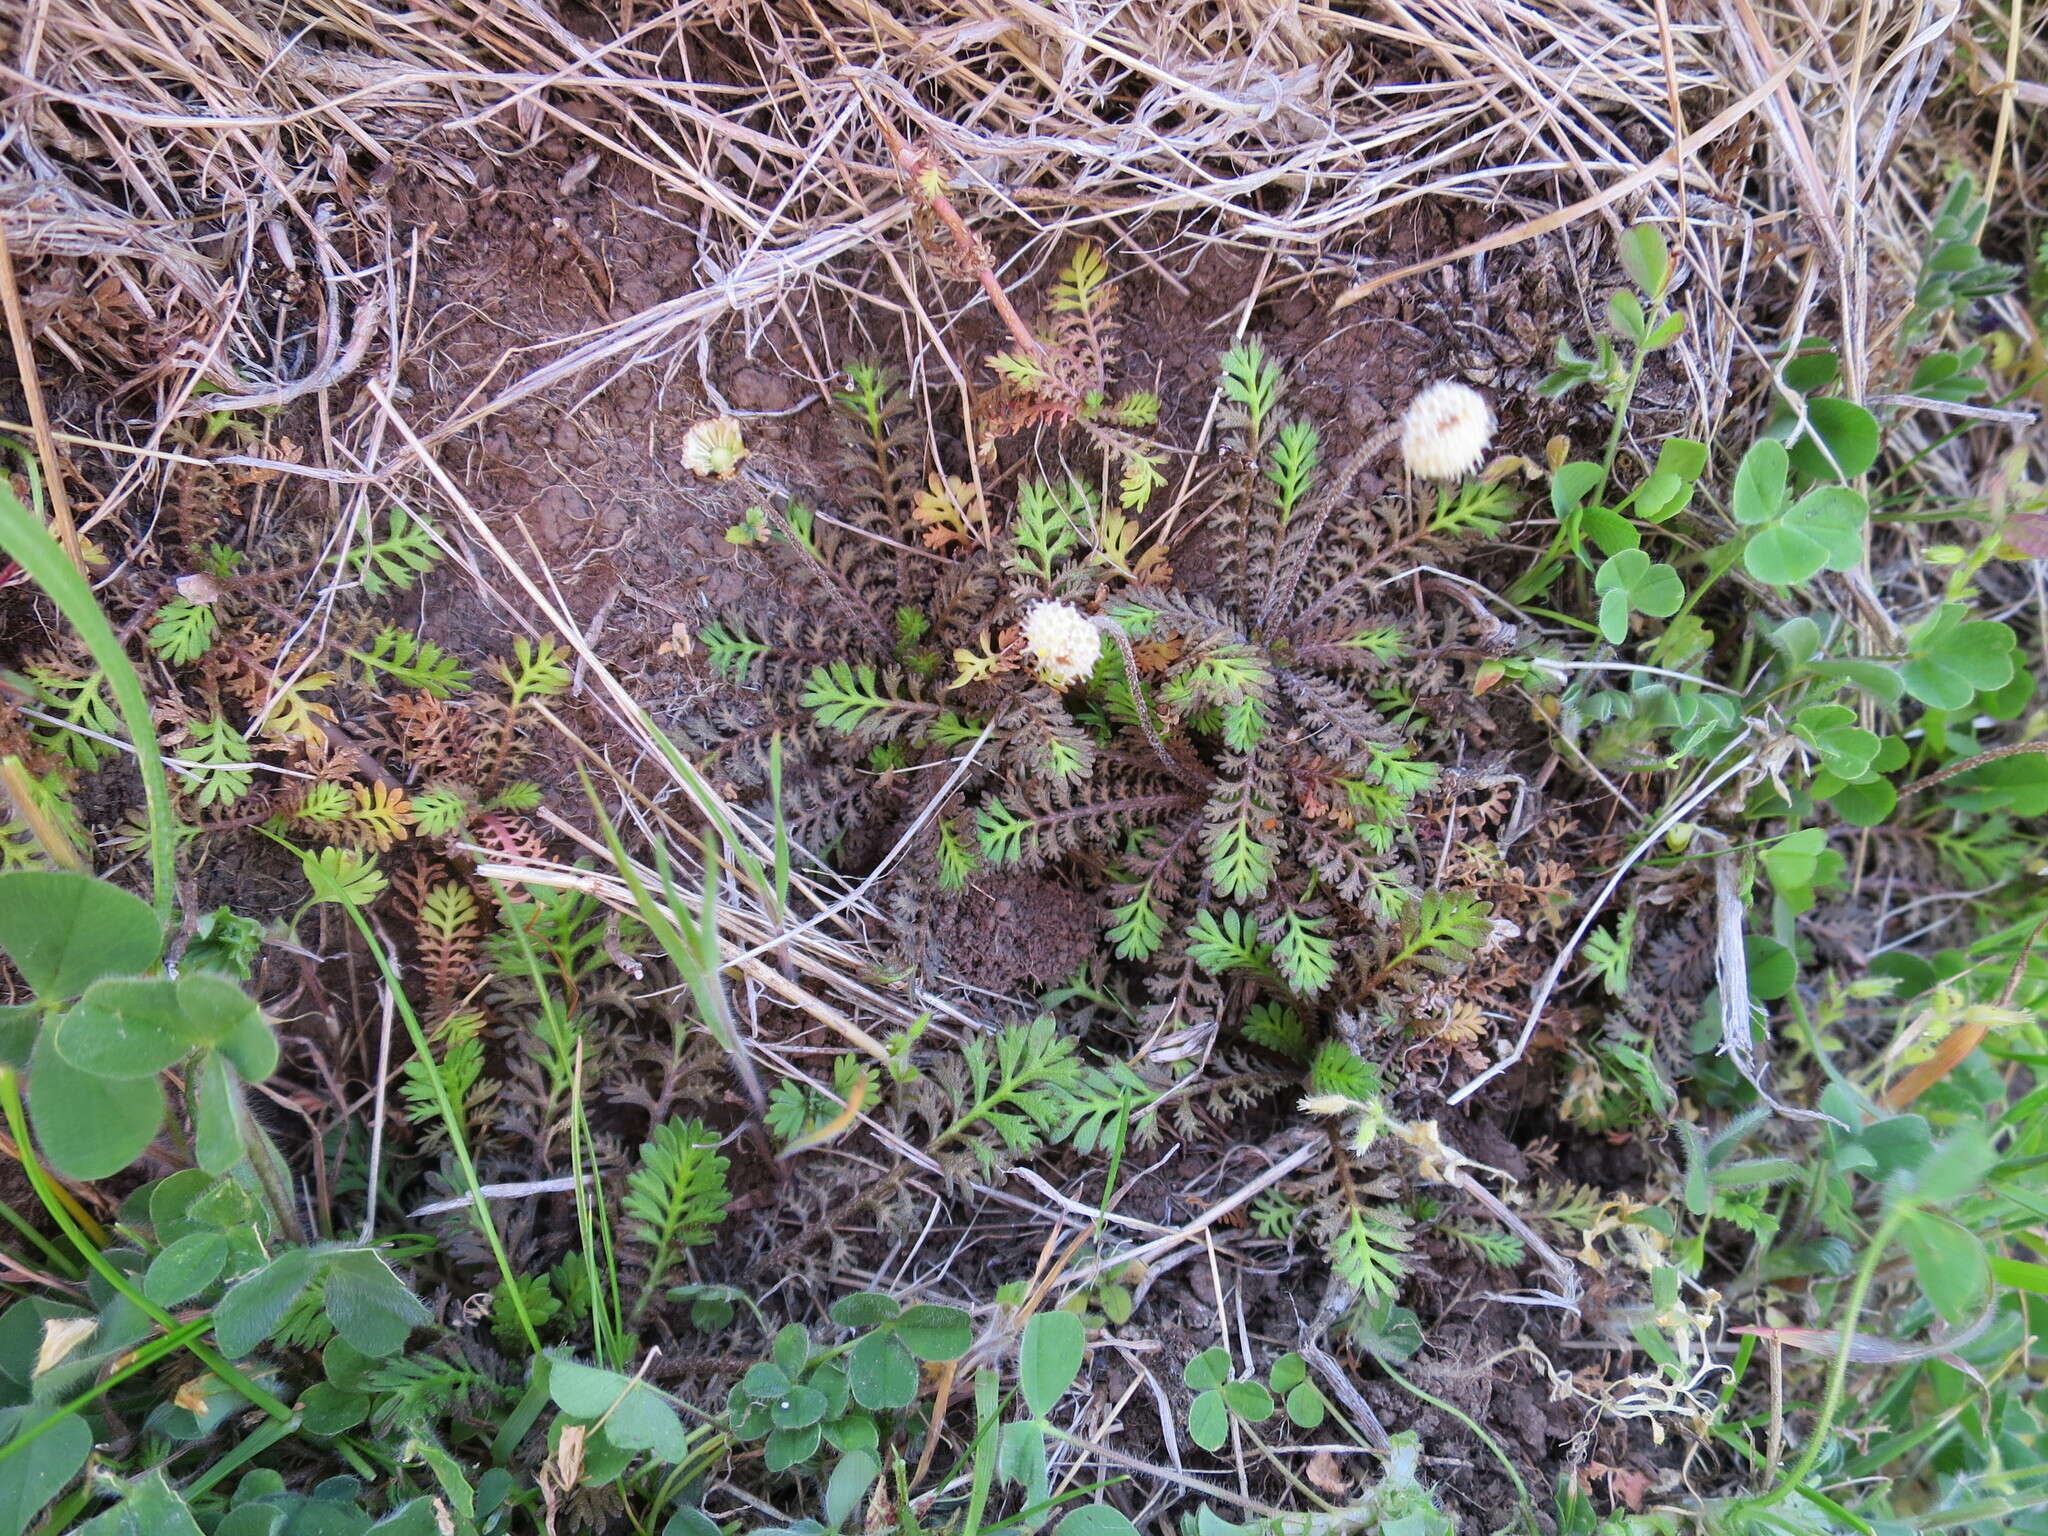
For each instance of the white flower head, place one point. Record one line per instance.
(714, 447)
(1063, 641)
(1446, 430)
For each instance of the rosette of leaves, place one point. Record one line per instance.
(1225, 771)
(1250, 808)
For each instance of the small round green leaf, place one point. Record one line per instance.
(375, 1310)
(881, 1373)
(222, 1015)
(124, 1027)
(185, 1268)
(90, 1127)
(1840, 441)
(1211, 1368)
(864, 1309)
(1288, 1372)
(327, 1410)
(1249, 1400)
(257, 1303)
(935, 1333)
(64, 931)
(1760, 481)
(787, 1448)
(797, 1407)
(765, 1381)
(1950, 1263)
(1305, 1406)
(636, 1417)
(216, 1121)
(44, 1467)
(852, 1432)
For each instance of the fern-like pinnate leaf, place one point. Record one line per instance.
(1240, 859)
(1608, 953)
(412, 662)
(396, 558)
(1368, 1254)
(677, 1195)
(1303, 951)
(1137, 927)
(342, 876)
(442, 810)
(1448, 928)
(852, 699)
(1051, 519)
(536, 671)
(1021, 1091)
(1227, 941)
(1252, 383)
(1292, 464)
(183, 631)
(1340, 1072)
(85, 724)
(1279, 1028)
(1083, 284)
(223, 750)
(1503, 1250)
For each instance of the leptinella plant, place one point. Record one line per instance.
(1207, 754)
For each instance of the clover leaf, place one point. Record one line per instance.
(1822, 531)
(1844, 748)
(1950, 660)
(1630, 582)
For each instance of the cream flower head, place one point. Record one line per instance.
(1445, 431)
(1063, 641)
(714, 447)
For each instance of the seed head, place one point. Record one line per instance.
(1446, 430)
(714, 447)
(1063, 640)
